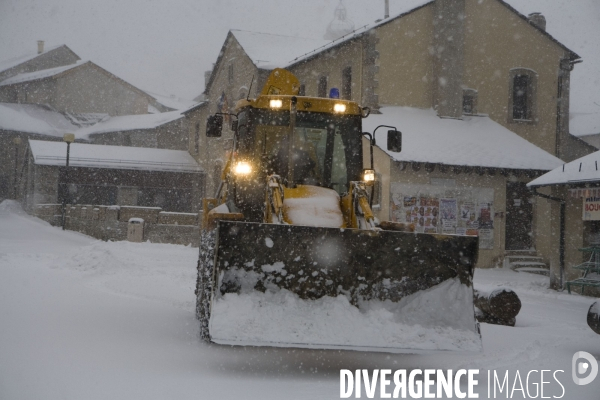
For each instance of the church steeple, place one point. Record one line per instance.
(340, 25)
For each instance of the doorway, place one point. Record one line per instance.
(519, 216)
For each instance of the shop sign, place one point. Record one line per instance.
(591, 208)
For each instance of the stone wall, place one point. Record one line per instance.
(110, 222)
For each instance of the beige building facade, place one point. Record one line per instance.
(465, 59)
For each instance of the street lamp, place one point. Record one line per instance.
(17, 143)
(68, 138)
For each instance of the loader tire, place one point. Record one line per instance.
(204, 281)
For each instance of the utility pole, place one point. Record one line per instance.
(387, 9)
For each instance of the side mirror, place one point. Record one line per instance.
(214, 126)
(394, 141)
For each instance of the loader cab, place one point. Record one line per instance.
(326, 149)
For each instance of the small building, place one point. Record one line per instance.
(575, 187)
(83, 87)
(58, 56)
(111, 175)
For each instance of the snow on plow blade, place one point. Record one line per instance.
(329, 288)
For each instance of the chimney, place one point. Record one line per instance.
(449, 32)
(387, 9)
(538, 20)
(40, 46)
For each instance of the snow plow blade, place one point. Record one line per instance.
(329, 288)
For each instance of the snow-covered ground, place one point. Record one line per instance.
(85, 319)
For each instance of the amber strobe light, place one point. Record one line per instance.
(275, 103)
(339, 108)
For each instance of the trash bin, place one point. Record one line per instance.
(135, 230)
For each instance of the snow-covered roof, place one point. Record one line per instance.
(112, 157)
(582, 124)
(584, 169)
(13, 62)
(270, 51)
(34, 118)
(36, 75)
(174, 102)
(130, 122)
(472, 141)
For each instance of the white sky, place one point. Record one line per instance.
(165, 46)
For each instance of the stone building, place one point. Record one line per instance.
(45, 95)
(486, 81)
(78, 88)
(111, 175)
(58, 56)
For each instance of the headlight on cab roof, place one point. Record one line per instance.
(369, 175)
(275, 103)
(242, 168)
(339, 108)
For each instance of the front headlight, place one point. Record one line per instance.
(369, 175)
(242, 168)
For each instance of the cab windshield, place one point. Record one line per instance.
(327, 149)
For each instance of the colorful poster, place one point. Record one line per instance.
(485, 216)
(410, 201)
(448, 210)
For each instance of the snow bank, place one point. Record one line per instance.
(421, 322)
(321, 208)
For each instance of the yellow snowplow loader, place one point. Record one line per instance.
(291, 254)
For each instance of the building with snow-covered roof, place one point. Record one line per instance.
(480, 91)
(575, 187)
(47, 95)
(163, 131)
(111, 175)
(83, 87)
(53, 57)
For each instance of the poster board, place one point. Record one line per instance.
(446, 210)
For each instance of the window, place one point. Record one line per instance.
(230, 73)
(322, 87)
(347, 83)
(523, 84)
(302, 90)
(520, 88)
(469, 101)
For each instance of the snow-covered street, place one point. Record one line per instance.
(86, 319)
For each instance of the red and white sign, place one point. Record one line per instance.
(591, 208)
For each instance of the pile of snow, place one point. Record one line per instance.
(85, 319)
(319, 207)
(434, 319)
